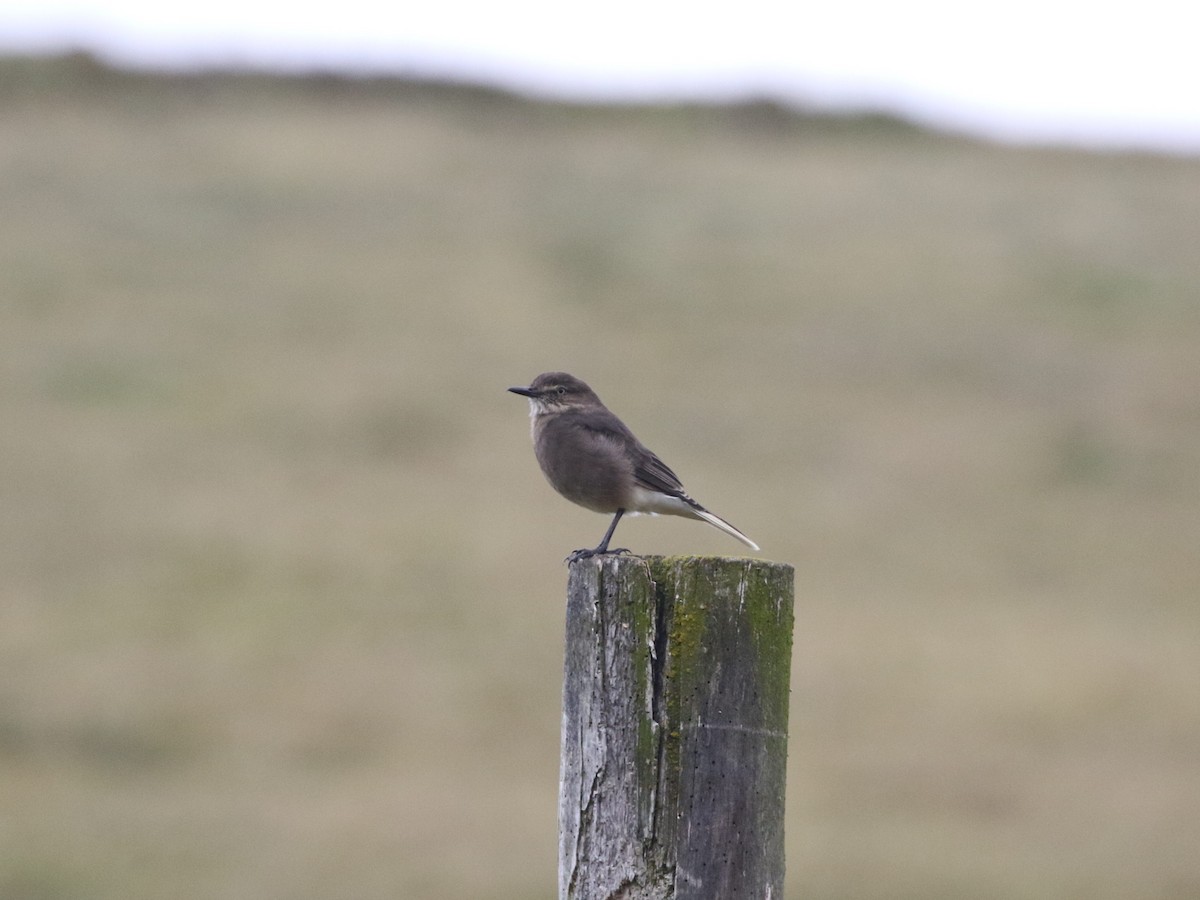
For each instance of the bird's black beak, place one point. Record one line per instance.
(524, 392)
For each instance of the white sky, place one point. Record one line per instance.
(1117, 74)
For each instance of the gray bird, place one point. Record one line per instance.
(590, 457)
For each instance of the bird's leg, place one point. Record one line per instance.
(602, 548)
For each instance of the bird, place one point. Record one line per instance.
(592, 458)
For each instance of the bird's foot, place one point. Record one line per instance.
(588, 554)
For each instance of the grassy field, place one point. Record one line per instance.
(282, 586)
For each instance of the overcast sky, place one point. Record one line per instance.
(1116, 74)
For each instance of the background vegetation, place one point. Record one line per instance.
(282, 585)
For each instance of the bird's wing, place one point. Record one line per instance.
(649, 471)
(652, 473)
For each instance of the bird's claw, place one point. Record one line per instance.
(588, 554)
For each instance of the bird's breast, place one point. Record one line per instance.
(586, 467)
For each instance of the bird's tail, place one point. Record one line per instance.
(717, 522)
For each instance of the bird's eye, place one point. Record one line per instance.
(561, 390)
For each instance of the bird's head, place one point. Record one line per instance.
(557, 391)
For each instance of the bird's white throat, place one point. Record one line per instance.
(533, 414)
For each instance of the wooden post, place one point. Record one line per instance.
(674, 735)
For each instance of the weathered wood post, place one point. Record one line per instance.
(674, 734)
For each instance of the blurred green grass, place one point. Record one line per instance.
(282, 587)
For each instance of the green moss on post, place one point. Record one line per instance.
(674, 743)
